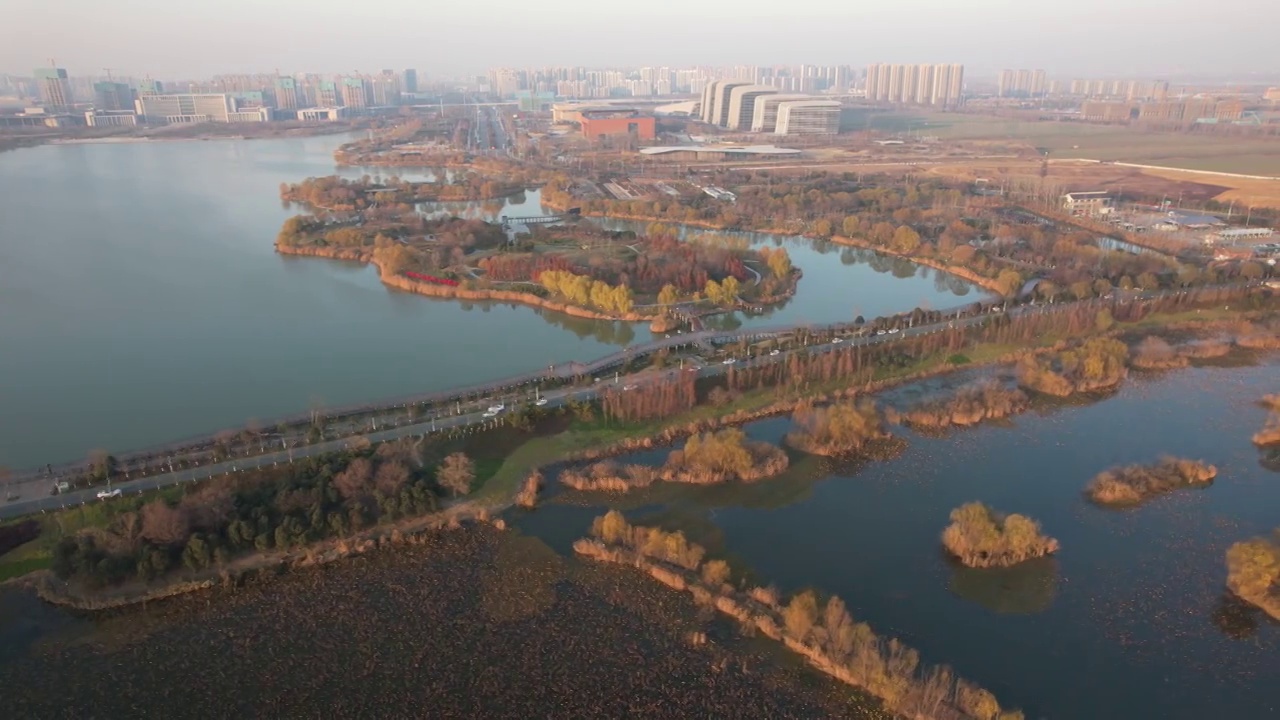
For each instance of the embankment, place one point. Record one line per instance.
(963, 273)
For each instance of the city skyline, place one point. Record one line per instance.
(203, 39)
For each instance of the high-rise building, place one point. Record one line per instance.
(411, 81)
(808, 117)
(55, 87)
(742, 105)
(386, 89)
(326, 94)
(1022, 83)
(915, 84)
(286, 93)
(354, 93)
(112, 96)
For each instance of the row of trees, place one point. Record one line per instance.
(318, 498)
(824, 631)
(584, 291)
(650, 399)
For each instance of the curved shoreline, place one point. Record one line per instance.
(400, 282)
(963, 273)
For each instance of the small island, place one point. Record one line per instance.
(1095, 365)
(969, 405)
(1135, 484)
(1269, 435)
(980, 537)
(1253, 572)
(835, 430)
(707, 459)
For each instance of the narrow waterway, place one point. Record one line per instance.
(1129, 620)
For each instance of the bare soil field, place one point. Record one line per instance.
(476, 623)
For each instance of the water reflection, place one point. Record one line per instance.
(1024, 589)
(606, 331)
(1238, 619)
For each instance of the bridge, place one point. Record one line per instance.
(507, 220)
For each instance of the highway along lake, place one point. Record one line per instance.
(1130, 619)
(141, 301)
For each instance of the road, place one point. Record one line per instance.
(29, 497)
(29, 493)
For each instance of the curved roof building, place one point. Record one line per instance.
(765, 115)
(808, 117)
(742, 102)
(715, 101)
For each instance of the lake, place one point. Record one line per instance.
(141, 301)
(1130, 619)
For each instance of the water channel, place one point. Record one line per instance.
(141, 301)
(1129, 620)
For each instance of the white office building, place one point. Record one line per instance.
(808, 117)
(742, 103)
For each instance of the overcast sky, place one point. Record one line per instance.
(197, 38)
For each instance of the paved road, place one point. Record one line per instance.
(30, 495)
(29, 498)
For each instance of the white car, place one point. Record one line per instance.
(775, 352)
(629, 387)
(837, 340)
(108, 494)
(893, 331)
(879, 332)
(540, 402)
(495, 409)
(729, 361)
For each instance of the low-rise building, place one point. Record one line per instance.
(1091, 203)
(598, 124)
(1238, 236)
(99, 118)
(322, 114)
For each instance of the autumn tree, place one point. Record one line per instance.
(456, 473)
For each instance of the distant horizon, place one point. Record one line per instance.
(1095, 39)
(1261, 77)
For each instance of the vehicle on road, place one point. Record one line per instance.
(729, 361)
(495, 409)
(894, 331)
(837, 341)
(629, 387)
(775, 352)
(60, 487)
(109, 493)
(540, 402)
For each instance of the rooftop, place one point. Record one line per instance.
(731, 149)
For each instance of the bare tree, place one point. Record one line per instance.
(456, 473)
(164, 525)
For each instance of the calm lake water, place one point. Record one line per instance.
(141, 301)
(1129, 620)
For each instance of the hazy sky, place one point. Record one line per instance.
(196, 38)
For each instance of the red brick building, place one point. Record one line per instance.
(612, 123)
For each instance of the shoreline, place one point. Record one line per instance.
(986, 283)
(400, 282)
(410, 530)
